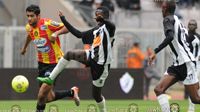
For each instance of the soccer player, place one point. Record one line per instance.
(44, 34)
(98, 57)
(184, 64)
(194, 44)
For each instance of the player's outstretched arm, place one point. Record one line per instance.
(165, 42)
(28, 40)
(71, 29)
(169, 34)
(63, 30)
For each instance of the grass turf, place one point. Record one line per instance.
(112, 105)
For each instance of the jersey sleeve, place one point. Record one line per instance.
(54, 26)
(168, 24)
(88, 37)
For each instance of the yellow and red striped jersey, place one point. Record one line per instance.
(47, 52)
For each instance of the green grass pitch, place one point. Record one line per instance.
(86, 105)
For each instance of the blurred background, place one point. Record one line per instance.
(137, 22)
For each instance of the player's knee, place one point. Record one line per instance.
(195, 100)
(158, 90)
(41, 95)
(69, 55)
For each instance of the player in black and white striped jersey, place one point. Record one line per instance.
(194, 40)
(184, 63)
(194, 44)
(98, 58)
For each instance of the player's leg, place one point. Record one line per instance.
(193, 91)
(46, 93)
(191, 107)
(43, 72)
(99, 76)
(99, 98)
(164, 84)
(42, 96)
(60, 94)
(194, 98)
(191, 82)
(78, 55)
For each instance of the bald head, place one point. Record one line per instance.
(192, 25)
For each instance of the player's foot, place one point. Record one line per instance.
(46, 80)
(76, 97)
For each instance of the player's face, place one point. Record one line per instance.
(32, 18)
(192, 25)
(99, 16)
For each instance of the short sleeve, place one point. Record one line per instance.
(168, 24)
(87, 37)
(54, 26)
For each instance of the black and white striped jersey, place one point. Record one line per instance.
(194, 44)
(101, 39)
(176, 35)
(101, 49)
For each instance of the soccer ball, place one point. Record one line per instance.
(20, 83)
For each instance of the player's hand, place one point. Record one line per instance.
(152, 57)
(60, 13)
(53, 37)
(23, 51)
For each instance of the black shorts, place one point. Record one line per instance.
(96, 69)
(181, 71)
(44, 69)
(99, 73)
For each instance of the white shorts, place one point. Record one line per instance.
(186, 72)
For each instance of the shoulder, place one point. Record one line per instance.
(197, 35)
(45, 20)
(109, 24)
(52, 22)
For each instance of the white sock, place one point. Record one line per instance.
(62, 63)
(191, 105)
(102, 105)
(164, 102)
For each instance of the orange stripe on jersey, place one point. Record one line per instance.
(48, 57)
(97, 41)
(47, 52)
(53, 51)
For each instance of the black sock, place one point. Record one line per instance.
(63, 93)
(40, 108)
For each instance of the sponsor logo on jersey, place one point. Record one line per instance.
(43, 27)
(35, 33)
(55, 23)
(41, 45)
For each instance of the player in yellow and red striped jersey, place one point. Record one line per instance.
(44, 34)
